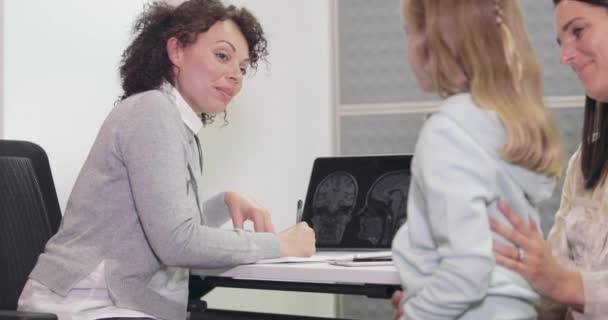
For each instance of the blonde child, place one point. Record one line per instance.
(491, 138)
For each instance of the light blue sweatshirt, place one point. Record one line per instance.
(444, 251)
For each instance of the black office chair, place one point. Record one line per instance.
(29, 216)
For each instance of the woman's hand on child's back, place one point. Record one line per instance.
(531, 257)
(396, 302)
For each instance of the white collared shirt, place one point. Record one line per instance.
(190, 118)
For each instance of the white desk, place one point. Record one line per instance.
(374, 282)
(309, 272)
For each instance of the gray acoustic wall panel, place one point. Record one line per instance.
(380, 134)
(371, 53)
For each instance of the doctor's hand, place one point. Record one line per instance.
(297, 241)
(243, 208)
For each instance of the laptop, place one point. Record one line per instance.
(357, 203)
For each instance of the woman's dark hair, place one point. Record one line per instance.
(145, 64)
(594, 147)
(601, 3)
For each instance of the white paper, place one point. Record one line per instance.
(313, 258)
(321, 257)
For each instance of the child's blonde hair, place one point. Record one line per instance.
(481, 47)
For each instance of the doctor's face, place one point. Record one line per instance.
(209, 72)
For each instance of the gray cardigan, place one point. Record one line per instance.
(135, 205)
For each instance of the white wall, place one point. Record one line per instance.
(60, 77)
(278, 125)
(60, 81)
(282, 120)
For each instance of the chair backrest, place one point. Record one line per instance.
(29, 214)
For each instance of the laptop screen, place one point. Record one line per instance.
(357, 202)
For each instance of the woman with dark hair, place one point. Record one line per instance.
(135, 222)
(571, 269)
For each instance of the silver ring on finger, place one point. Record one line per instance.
(521, 254)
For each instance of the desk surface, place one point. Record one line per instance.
(309, 272)
(321, 277)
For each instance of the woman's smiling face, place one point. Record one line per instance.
(582, 33)
(209, 72)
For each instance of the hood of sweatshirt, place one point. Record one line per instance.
(486, 128)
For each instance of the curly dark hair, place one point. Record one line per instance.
(145, 64)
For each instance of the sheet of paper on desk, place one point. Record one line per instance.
(361, 263)
(374, 256)
(313, 258)
(320, 257)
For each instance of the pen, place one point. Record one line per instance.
(299, 212)
(370, 259)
